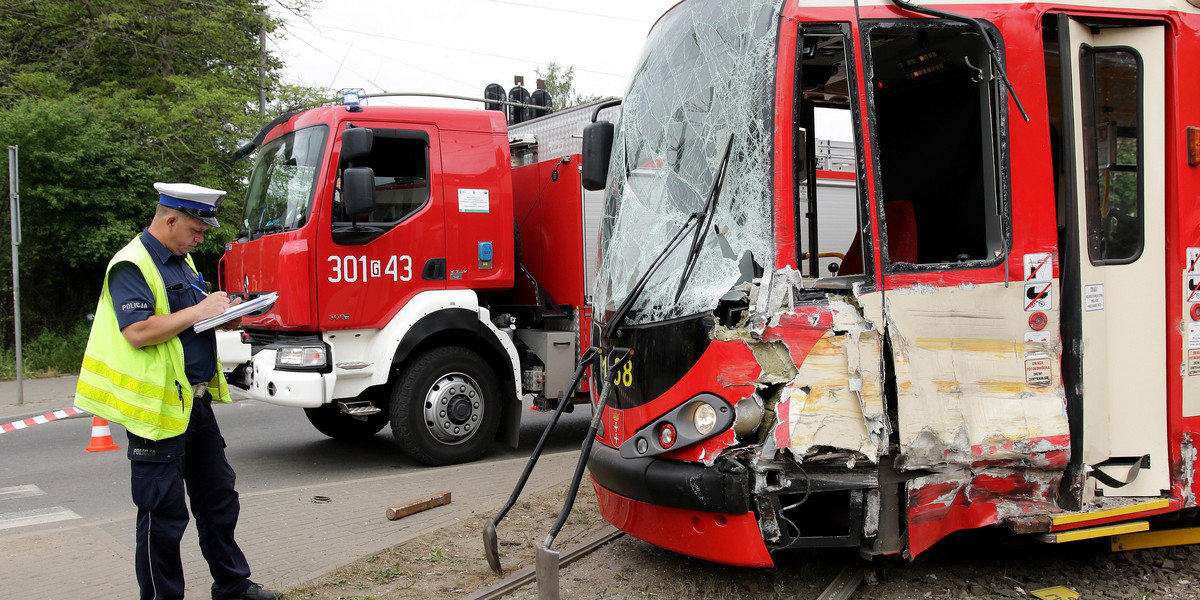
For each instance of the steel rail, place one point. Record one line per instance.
(847, 581)
(510, 584)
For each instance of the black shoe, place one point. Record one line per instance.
(256, 592)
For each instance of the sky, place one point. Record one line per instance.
(459, 46)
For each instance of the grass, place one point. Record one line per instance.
(49, 354)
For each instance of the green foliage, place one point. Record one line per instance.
(560, 83)
(50, 353)
(105, 97)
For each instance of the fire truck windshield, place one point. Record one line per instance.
(706, 76)
(281, 188)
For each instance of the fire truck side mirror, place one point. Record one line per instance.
(597, 150)
(358, 192)
(356, 144)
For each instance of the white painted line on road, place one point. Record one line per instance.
(20, 491)
(36, 516)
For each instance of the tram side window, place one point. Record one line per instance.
(400, 160)
(1110, 82)
(939, 115)
(828, 208)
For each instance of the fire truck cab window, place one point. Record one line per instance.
(940, 118)
(282, 183)
(400, 161)
(1111, 90)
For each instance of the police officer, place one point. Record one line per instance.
(146, 369)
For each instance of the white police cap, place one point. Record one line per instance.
(197, 201)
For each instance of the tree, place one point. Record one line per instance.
(105, 97)
(560, 83)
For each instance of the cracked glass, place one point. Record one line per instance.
(704, 83)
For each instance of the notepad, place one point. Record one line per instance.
(260, 303)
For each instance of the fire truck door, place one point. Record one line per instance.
(373, 265)
(1114, 312)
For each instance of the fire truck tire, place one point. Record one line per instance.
(446, 407)
(330, 421)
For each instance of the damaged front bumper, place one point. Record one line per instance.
(684, 507)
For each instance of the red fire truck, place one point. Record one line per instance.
(427, 276)
(1006, 329)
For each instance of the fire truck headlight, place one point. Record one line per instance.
(704, 418)
(301, 357)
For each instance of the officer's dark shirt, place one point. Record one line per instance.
(133, 302)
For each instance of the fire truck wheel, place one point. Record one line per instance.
(445, 407)
(331, 422)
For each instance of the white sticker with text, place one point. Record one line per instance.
(473, 201)
(1093, 297)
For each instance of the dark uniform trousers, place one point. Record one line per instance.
(161, 471)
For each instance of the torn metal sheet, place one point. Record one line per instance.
(959, 499)
(1186, 471)
(827, 358)
(972, 387)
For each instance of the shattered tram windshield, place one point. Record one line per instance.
(282, 182)
(706, 77)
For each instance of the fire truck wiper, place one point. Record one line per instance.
(993, 52)
(706, 218)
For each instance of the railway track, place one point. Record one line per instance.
(841, 588)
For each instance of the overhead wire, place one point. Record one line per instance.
(295, 20)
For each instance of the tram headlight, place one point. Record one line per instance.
(704, 418)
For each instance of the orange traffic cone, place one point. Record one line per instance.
(101, 437)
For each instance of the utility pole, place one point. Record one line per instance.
(14, 212)
(262, 64)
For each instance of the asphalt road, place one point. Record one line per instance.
(53, 493)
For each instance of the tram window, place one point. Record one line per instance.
(400, 160)
(940, 119)
(829, 210)
(1110, 82)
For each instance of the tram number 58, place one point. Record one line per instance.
(352, 269)
(624, 376)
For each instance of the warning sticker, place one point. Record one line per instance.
(1194, 336)
(1038, 372)
(1193, 260)
(1038, 267)
(1093, 297)
(1191, 287)
(1193, 362)
(1038, 296)
(473, 201)
(1037, 337)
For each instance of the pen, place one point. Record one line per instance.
(198, 289)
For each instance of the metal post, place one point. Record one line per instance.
(14, 211)
(262, 64)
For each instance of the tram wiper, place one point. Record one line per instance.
(705, 219)
(613, 327)
(976, 24)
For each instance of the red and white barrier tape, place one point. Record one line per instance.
(46, 418)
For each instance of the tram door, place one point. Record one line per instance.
(1113, 251)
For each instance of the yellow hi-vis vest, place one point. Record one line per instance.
(143, 389)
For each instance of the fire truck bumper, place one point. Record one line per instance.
(685, 507)
(299, 389)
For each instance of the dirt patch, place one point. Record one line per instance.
(985, 565)
(450, 562)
